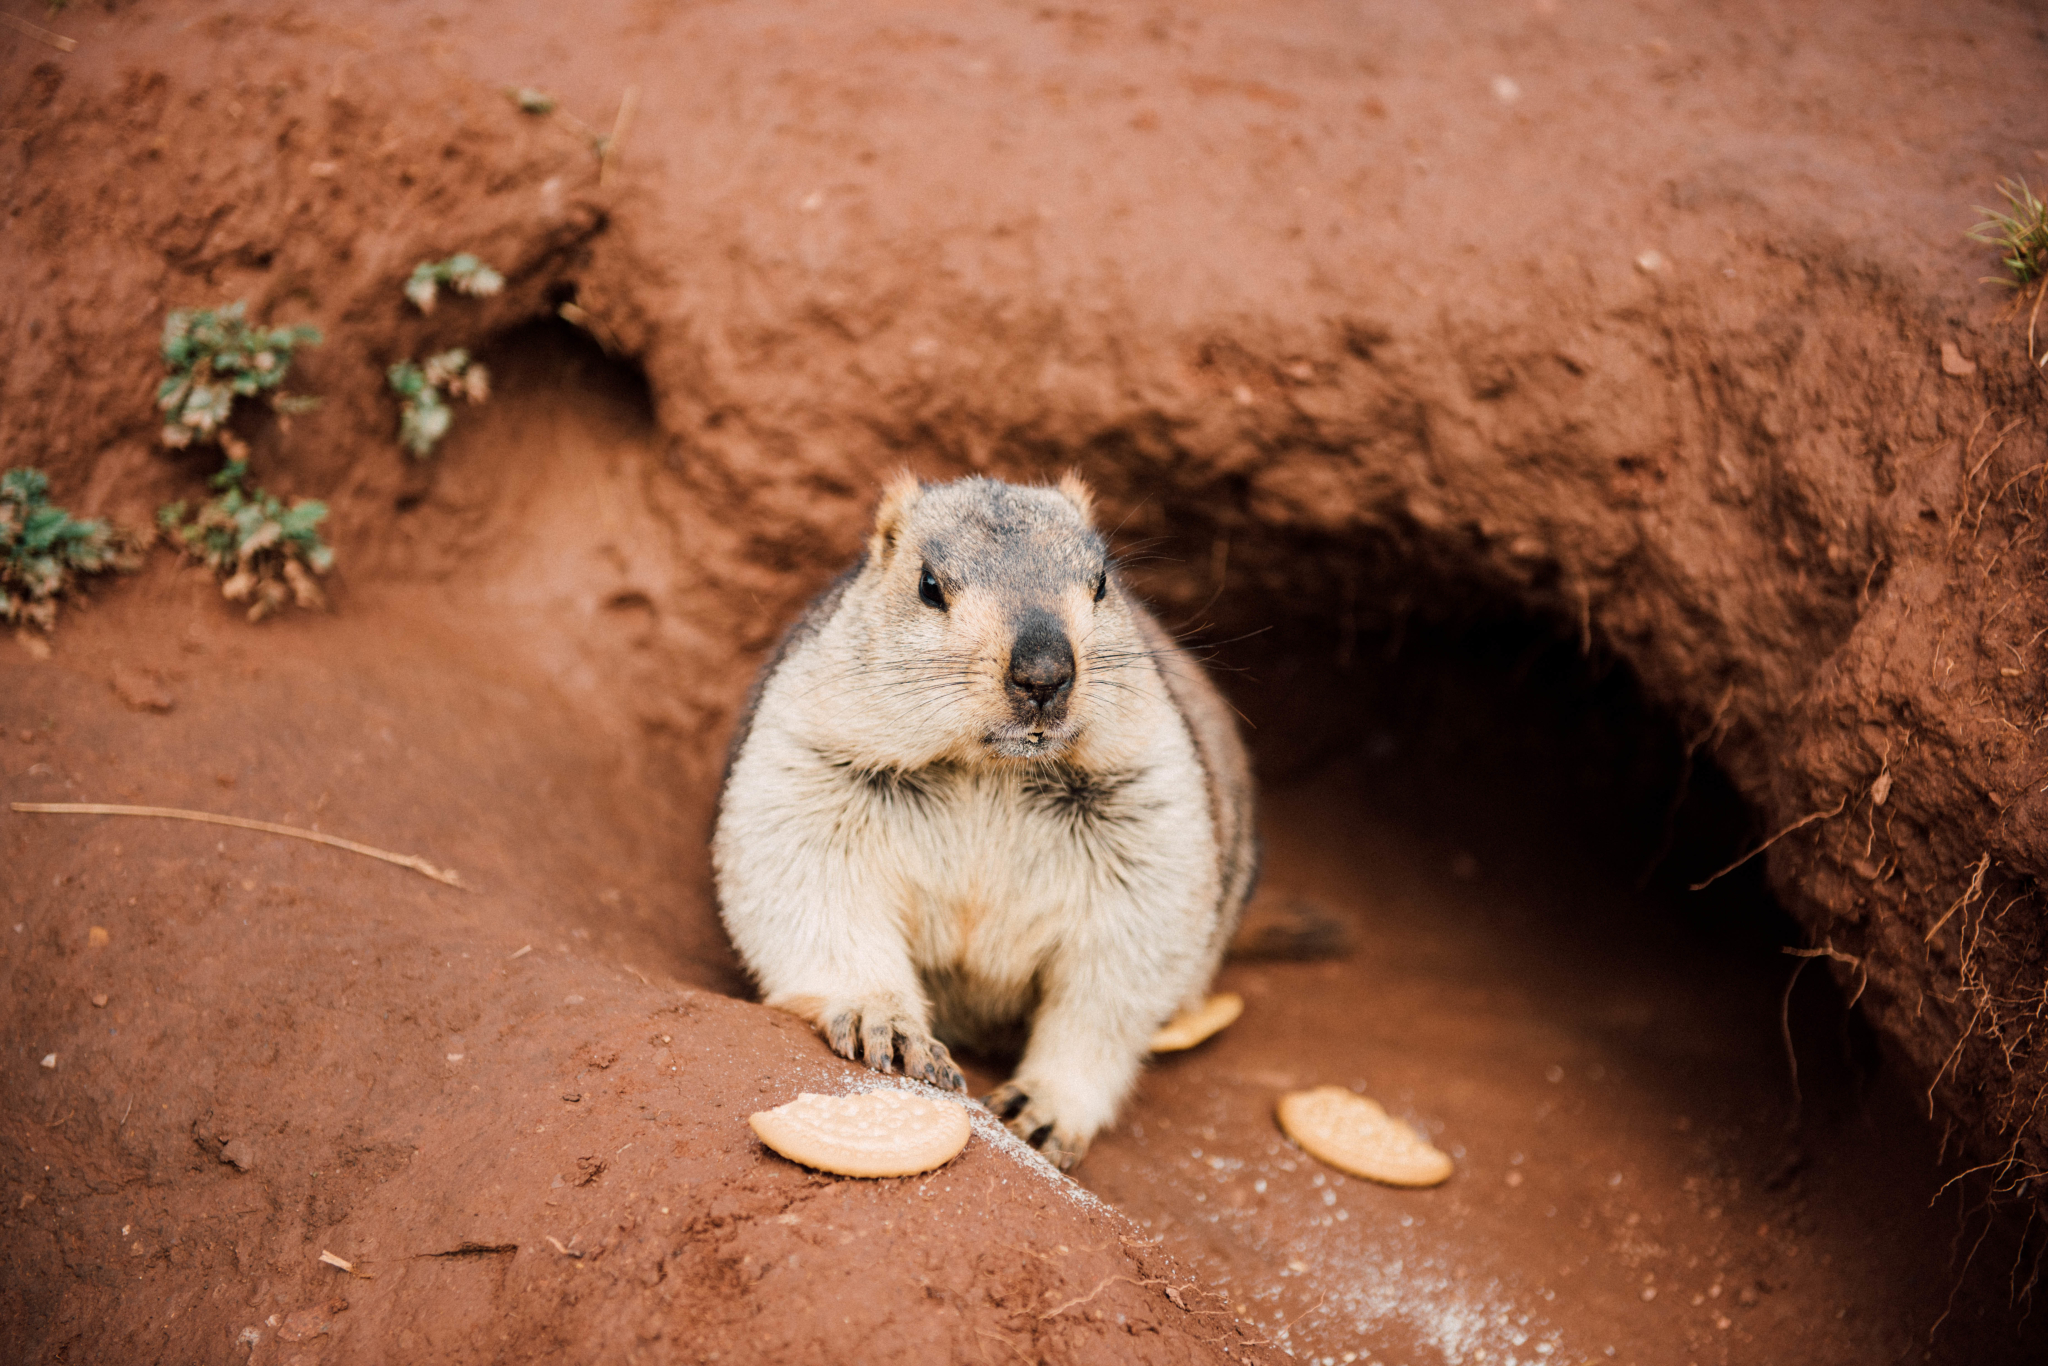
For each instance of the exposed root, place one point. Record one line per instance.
(1785, 1006)
(1799, 824)
(1976, 888)
(1711, 732)
(1830, 951)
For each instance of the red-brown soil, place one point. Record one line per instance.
(1558, 388)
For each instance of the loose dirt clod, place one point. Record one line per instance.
(140, 692)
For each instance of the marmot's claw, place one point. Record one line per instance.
(878, 1042)
(876, 1036)
(927, 1059)
(1005, 1101)
(842, 1032)
(1035, 1123)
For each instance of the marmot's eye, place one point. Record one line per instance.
(929, 592)
(1101, 585)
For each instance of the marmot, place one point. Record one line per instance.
(979, 786)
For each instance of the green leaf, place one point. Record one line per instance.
(214, 357)
(407, 379)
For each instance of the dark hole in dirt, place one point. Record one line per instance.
(551, 351)
(1522, 750)
(1632, 1073)
(1508, 722)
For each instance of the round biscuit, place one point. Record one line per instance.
(881, 1133)
(1355, 1135)
(1191, 1027)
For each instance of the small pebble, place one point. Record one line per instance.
(99, 998)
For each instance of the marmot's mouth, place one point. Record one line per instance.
(1035, 739)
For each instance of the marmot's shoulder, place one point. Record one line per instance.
(802, 629)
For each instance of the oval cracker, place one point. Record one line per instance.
(1191, 1027)
(1355, 1135)
(881, 1133)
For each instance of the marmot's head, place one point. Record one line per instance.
(995, 613)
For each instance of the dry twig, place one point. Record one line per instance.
(412, 861)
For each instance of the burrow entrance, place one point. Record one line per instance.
(1670, 1145)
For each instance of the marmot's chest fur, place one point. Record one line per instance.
(978, 777)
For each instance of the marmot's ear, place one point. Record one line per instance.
(1079, 494)
(899, 495)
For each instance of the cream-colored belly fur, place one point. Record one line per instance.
(1084, 892)
(1006, 880)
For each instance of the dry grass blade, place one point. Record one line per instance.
(41, 35)
(2021, 236)
(2034, 316)
(608, 155)
(412, 861)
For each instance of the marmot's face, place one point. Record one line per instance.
(998, 614)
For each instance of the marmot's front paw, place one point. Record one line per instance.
(875, 1032)
(1034, 1122)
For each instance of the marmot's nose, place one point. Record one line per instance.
(1041, 660)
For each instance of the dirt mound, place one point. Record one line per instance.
(521, 1142)
(1625, 324)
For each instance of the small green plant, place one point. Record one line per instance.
(215, 358)
(260, 548)
(424, 390)
(2020, 236)
(462, 273)
(43, 549)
